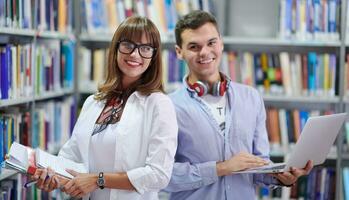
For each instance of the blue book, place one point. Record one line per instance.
(25, 23)
(68, 53)
(290, 127)
(317, 16)
(13, 134)
(98, 11)
(182, 70)
(48, 14)
(258, 71)
(303, 118)
(312, 65)
(170, 14)
(311, 184)
(35, 130)
(4, 74)
(332, 24)
(264, 192)
(171, 66)
(2, 155)
(6, 134)
(309, 16)
(73, 108)
(83, 16)
(288, 18)
(320, 183)
(330, 185)
(9, 68)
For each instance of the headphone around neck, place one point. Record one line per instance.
(202, 87)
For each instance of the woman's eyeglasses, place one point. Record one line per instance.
(112, 117)
(144, 50)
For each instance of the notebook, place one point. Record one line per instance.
(314, 143)
(25, 159)
(21, 158)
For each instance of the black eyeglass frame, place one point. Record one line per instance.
(136, 46)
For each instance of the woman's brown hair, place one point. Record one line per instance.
(132, 29)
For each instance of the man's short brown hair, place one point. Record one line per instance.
(193, 20)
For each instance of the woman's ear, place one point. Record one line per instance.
(179, 52)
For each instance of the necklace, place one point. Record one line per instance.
(109, 116)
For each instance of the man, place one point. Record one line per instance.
(221, 123)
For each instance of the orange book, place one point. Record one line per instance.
(273, 126)
(62, 16)
(296, 124)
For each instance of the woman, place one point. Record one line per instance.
(126, 134)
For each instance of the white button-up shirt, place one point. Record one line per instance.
(146, 142)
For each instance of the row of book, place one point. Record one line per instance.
(42, 15)
(92, 66)
(285, 126)
(282, 73)
(104, 16)
(48, 127)
(319, 184)
(174, 69)
(28, 69)
(309, 19)
(16, 68)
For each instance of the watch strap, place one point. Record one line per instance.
(101, 181)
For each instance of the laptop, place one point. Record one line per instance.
(314, 143)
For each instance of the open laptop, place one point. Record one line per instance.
(314, 143)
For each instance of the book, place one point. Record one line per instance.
(26, 160)
(21, 158)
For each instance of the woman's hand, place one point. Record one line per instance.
(81, 184)
(46, 179)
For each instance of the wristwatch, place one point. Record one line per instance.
(100, 180)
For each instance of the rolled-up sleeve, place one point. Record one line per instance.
(188, 176)
(156, 173)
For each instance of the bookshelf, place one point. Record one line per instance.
(37, 88)
(248, 32)
(269, 40)
(257, 41)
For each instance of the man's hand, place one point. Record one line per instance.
(240, 161)
(81, 184)
(290, 177)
